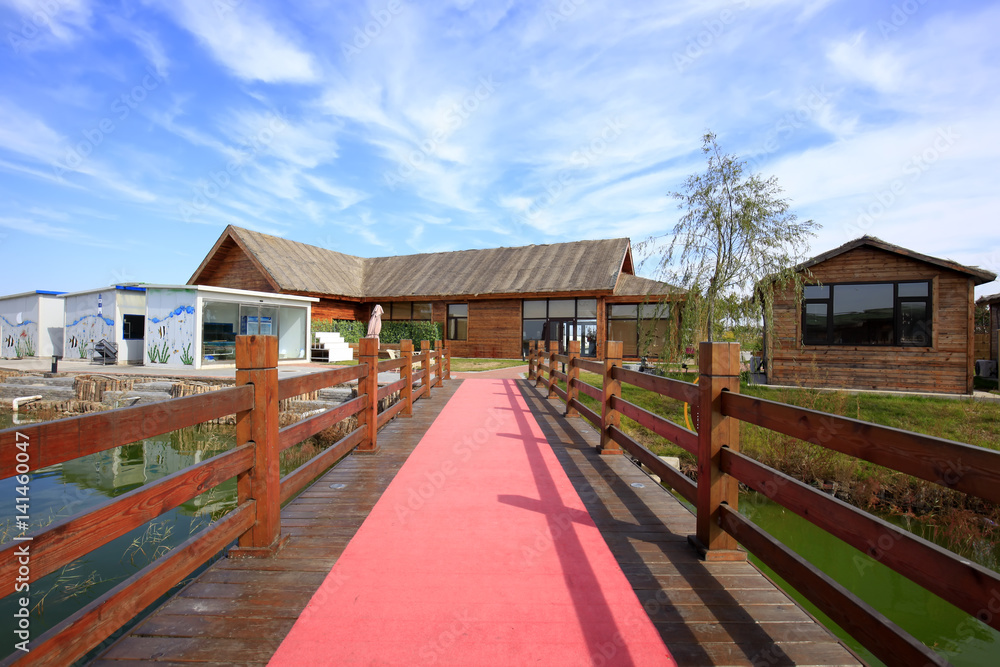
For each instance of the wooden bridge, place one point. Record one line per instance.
(689, 580)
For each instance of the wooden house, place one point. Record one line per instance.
(489, 303)
(876, 316)
(993, 303)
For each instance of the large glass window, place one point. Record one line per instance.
(220, 324)
(222, 321)
(884, 314)
(458, 321)
(643, 328)
(561, 320)
(407, 310)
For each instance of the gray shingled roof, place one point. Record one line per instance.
(298, 267)
(629, 285)
(562, 267)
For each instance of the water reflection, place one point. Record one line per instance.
(61, 491)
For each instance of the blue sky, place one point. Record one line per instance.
(132, 133)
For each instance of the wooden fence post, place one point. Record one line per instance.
(447, 360)
(406, 373)
(539, 375)
(719, 365)
(573, 376)
(368, 354)
(553, 351)
(531, 361)
(439, 356)
(256, 364)
(612, 387)
(425, 366)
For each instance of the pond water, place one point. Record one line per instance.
(61, 491)
(962, 639)
(67, 489)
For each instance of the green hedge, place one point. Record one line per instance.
(392, 332)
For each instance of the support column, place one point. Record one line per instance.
(406, 373)
(368, 354)
(425, 366)
(612, 387)
(256, 365)
(573, 376)
(719, 364)
(553, 351)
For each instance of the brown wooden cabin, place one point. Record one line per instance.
(877, 316)
(992, 301)
(489, 302)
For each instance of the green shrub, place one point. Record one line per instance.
(392, 332)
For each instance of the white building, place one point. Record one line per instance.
(31, 324)
(194, 325)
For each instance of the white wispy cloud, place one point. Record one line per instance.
(246, 39)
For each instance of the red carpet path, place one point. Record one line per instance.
(480, 552)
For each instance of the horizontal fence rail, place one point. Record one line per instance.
(716, 400)
(254, 524)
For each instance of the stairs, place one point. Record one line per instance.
(337, 349)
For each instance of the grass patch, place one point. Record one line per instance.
(464, 365)
(967, 525)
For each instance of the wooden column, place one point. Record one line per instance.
(539, 375)
(406, 373)
(573, 376)
(368, 354)
(447, 360)
(425, 366)
(531, 360)
(553, 351)
(439, 356)
(256, 364)
(612, 387)
(719, 364)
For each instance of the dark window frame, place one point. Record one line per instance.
(897, 313)
(133, 327)
(411, 318)
(640, 317)
(453, 334)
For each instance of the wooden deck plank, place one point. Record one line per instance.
(707, 613)
(238, 611)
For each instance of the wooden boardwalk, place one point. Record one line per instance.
(238, 611)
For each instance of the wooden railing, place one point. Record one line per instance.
(718, 407)
(255, 522)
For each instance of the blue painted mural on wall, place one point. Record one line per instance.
(85, 327)
(170, 328)
(21, 341)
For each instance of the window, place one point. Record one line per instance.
(640, 327)
(561, 320)
(879, 314)
(407, 310)
(458, 321)
(133, 327)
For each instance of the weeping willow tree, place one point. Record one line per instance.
(736, 230)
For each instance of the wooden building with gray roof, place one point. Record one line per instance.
(874, 315)
(489, 302)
